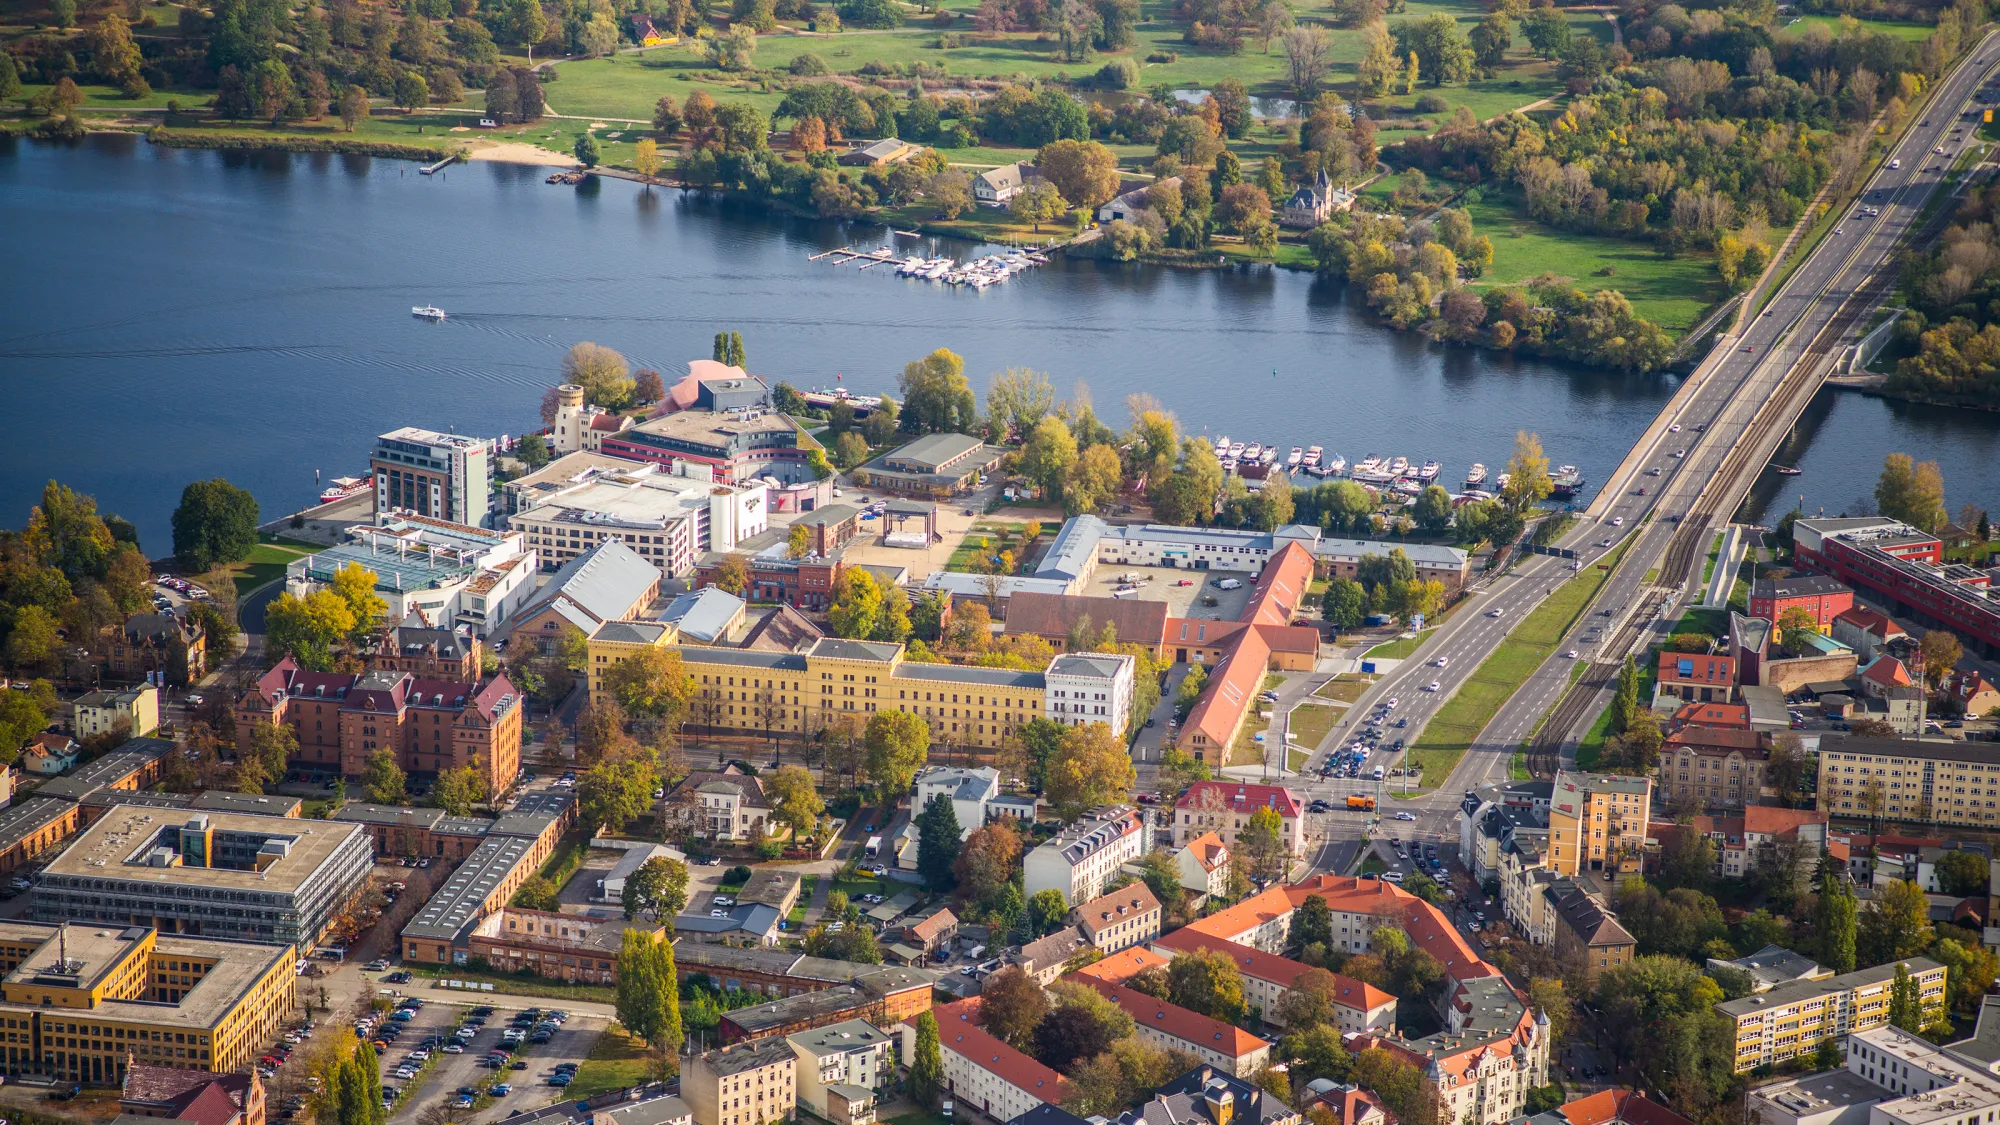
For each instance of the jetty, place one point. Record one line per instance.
(431, 169)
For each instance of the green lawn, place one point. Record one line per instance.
(1447, 736)
(1345, 687)
(1311, 721)
(1400, 648)
(267, 563)
(1914, 32)
(1670, 292)
(616, 1062)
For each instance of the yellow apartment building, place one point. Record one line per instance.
(76, 1001)
(1792, 1018)
(1954, 783)
(846, 681)
(1597, 822)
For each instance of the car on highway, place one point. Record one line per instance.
(1839, 230)
(1653, 472)
(1675, 428)
(1441, 661)
(1433, 685)
(1939, 150)
(1406, 816)
(1893, 164)
(1679, 453)
(1617, 521)
(1570, 655)
(1604, 542)
(1640, 491)
(1492, 613)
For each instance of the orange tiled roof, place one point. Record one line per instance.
(1209, 851)
(1122, 965)
(1429, 930)
(1888, 671)
(1281, 971)
(1265, 906)
(1172, 1019)
(959, 1030)
(1628, 1106)
(1777, 822)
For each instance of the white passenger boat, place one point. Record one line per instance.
(1252, 451)
(1312, 457)
(1397, 466)
(1336, 464)
(1236, 451)
(1293, 458)
(427, 312)
(1430, 471)
(1476, 475)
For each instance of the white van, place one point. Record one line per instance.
(1228, 583)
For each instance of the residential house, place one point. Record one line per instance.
(49, 754)
(1975, 694)
(1588, 933)
(1611, 1107)
(1224, 807)
(1350, 1105)
(1226, 1047)
(199, 1096)
(983, 1072)
(169, 644)
(1046, 957)
(1597, 822)
(933, 932)
(1203, 863)
(1129, 204)
(1865, 631)
(996, 186)
(753, 1083)
(1120, 919)
(1704, 766)
(888, 150)
(1314, 203)
(1207, 1096)
(725, 804)
(839, 1067)
(135, 710)
(1687, 677)
(1083, 857)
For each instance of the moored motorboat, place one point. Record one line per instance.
(1293, 458)
(1476, 475)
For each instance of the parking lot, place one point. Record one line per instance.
(458, 1077)
(1164, 584)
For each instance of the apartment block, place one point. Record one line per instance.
(840, 1066)
(1954, 783)
(752, 1083)
(1120, 919)
(1083, 858)
(1791, 1019)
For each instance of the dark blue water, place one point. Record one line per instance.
(174, 315)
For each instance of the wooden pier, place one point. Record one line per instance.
(848, 254)
(431, 169)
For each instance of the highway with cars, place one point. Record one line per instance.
(1683, 479)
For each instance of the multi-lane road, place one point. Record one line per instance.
(1707, 446)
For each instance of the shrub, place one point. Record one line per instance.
(1432, 102)
(768, 850)
(1118, 74)
(809, 65)
(737, 874)
(1164, 57)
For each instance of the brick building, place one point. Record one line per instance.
(157, 642)
(1820, 596)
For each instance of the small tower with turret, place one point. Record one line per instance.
(567, 436)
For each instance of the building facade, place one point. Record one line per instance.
(1791, 1019)
(1597, 822)
(1955, 783)
(1820, 597)
(751, 1083)
(669, 518)
(1709, 766)
(444, 476)
(1120, 919)
(1089, 687)
(1225, 807)
(1084, 856)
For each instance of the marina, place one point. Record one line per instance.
(976, 273)
(1403, 477)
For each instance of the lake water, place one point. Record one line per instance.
(181, 314)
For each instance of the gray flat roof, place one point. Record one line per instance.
(459, 902)
(1783, 994)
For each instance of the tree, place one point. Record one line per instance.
(352, 107)
(613, 792)
(646, 158)
(1912, 493)
(1085, 172)
(458, 790)
(306, 627)
(936, 396)
(652, 684)
(1036, 203)
(1262, 843)
(986, 860)
(1432, 511)
(1093, 480)
(601, 372)
(666, 117)
(1207, 981)
(926, 1079)
(587, 153)
(533, 450)
(1308, 57)
(732, 575)
(354, 585)
(641, 998)
(1528, 473)
(1011, 1006)
(1344, 604)
(1548, 31)
(215, 524)
(1312, 923)
(1896, 925)
(937, 844)
(1046, 910)
(1018, 398)
(857, 605)
(1941, 652)
(1962, 873)
(411, 91)
(1795, 625)
(657, 890)
(897, 744)
(1089, 768)
(383, 779)
(1906, 1006)
(1438, 47)
(1490, 40)
(1048, 455)
(1082, 1025)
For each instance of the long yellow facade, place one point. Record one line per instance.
(837, 681)
(77, 1002)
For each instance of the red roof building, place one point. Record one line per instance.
(1240, 652)
(1224, 1046)
(1728, 716)
(1618, 1107)
(1267, 977)
(1695, 677)
(1224, 807)
(979, 1069)
(198, 1096)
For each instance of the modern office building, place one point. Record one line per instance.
(451, 574)
(1904, 568)
(279, 880)
(444, 476)
(79, 1002)
(670, 518)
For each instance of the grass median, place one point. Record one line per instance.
(1400, 648)
(1447, 736)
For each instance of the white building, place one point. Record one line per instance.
(454, 574)
(1079, 861)
(671, 519)
(1084, 541)
(985, 1073)
(839, 1066)
(1203, 864)
(580, 427)
(1090, 687)
(1893, 1078)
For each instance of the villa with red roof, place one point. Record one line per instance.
(984, 1072)
(198, 1096)
(1224, 807)
(1203, 863)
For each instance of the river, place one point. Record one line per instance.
(183, 314)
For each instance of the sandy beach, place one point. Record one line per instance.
(515, 152)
